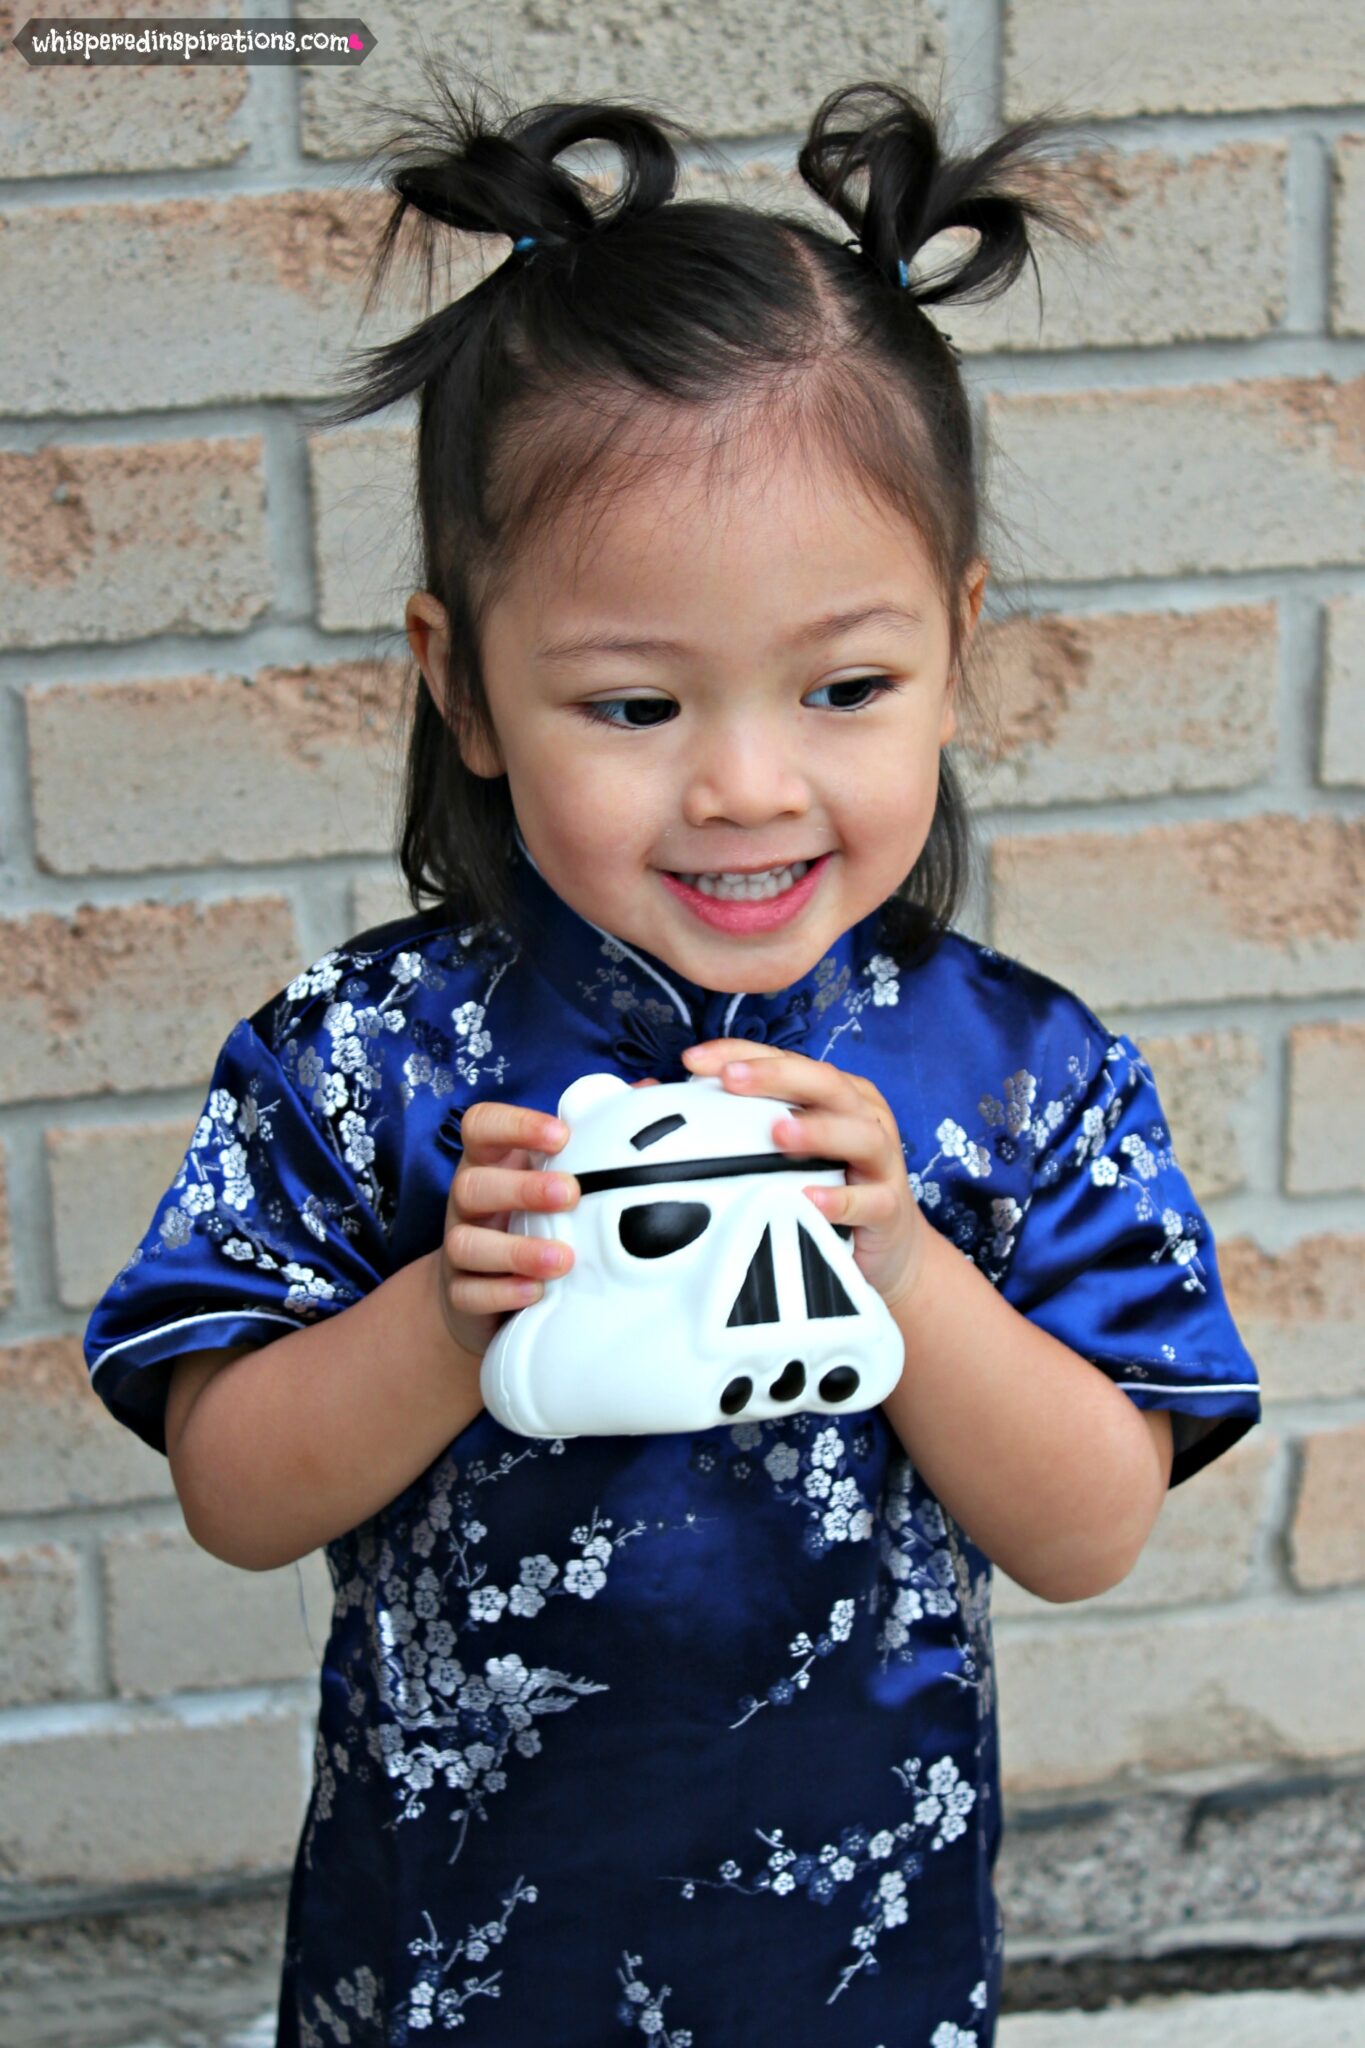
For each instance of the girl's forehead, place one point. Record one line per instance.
(679, 518)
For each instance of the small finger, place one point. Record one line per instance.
(490, 1127)
(485, 1190)
(472, 1250)
(853, 1138)
(480, 1297)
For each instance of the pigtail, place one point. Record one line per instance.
(915, 190)
(473, 163)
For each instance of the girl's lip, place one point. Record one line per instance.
(766, 914)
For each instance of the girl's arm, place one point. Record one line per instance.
(295, 1442)
(1052, 1472)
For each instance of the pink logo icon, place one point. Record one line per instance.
(355, 42)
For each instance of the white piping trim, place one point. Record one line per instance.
(602, 932)
(1181, 1387)
(216, 1315)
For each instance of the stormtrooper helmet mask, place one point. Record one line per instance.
(706, 1287)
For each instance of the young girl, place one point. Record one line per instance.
(694, 1734)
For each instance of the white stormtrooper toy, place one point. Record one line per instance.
(706, 1287)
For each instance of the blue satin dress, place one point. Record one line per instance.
(689, 1734)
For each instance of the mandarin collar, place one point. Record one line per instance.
(644, 1012)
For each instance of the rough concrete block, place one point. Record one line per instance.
(1095, 706)
(180, 1620)
(123, 997)
(120, 542)
(1326, 1138)
(301, 768)
(1228, 907)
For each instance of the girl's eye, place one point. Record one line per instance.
(600, 713)
(880, 686)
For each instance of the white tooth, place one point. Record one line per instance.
(749, 888)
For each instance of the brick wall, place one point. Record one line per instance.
(198, 645)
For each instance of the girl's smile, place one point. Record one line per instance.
(755, 906)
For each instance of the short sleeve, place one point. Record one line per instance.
(1115, 1258)
(265, 1228)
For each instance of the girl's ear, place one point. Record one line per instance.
(428, 630)
(973, 591)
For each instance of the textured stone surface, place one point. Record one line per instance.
(1141, 1871)
(728, 69)
(1107, 57)
(61, 121)
(1300, 1313)
(1084, 708)
(1348, 238)
(263, 294)
(1326, 1139)
(1327, 1535)
(1151, 221)
(59, 1446)
(92, 1234)
(1256, 906)
(1211, 1085)
(40, 1623)
(301, 767)
(131, 996)
(179, 1620)
(1185, 454)
(363, 482)
(1249, 2019)
(100, 1797)
(377, 899)
(120, 541)
(1211, 1690)
(6, 1248)
(1341, 758)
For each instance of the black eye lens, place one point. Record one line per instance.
(652, 1230)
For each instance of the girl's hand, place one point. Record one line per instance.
(849, 1120)
(484, 1270)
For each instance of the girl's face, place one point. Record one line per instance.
(723, 722)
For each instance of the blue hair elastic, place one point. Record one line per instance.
(905, 272)
(524, 242)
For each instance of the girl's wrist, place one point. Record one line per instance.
(928, 1242)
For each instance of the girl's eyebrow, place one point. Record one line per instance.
(827, 627)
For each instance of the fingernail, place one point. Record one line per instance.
(554, 1129)
(738, 1070)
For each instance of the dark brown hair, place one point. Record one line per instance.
(637, 322)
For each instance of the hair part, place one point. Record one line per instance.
(642, 328)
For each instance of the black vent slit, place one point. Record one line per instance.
(824, 1294)
(756, 1301)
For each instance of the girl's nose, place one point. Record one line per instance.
(746, 774)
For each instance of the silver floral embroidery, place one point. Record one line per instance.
(784, 1690)
(943, 1799)
(428, 2001)
(219, 1201)
(1148, 1154)
(810, 1475)
(885, 989)
(1008, 1117)
(640, 2007)
(343, 1087)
